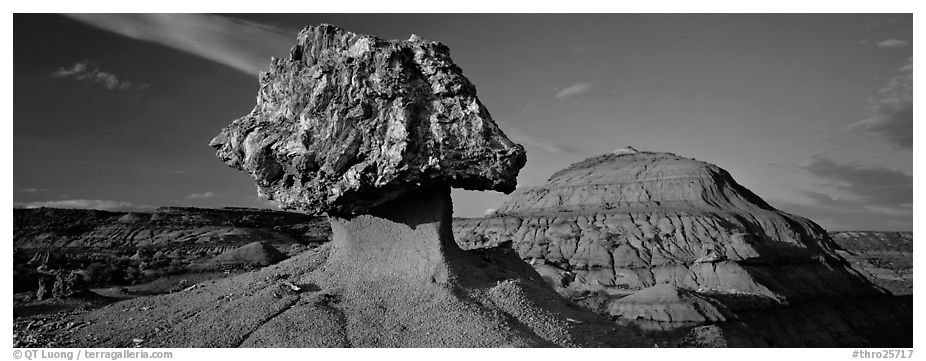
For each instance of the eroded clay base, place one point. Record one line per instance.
(393, 278)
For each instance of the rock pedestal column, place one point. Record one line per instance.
(408, 239)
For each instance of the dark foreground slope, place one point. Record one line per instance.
(668, 244)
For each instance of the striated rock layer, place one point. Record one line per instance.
(350, 121)
(211, 231)
(255, 254)
(663, 242)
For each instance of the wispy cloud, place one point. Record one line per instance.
(573, 91)
(854, 197)
(89, 72)
(870, 186)
(519, 136)
(32, 190)
(838, 214)
(240, 44)
(879, 23)
(204, 195)
(893, 44)
(891, 109)
(135, 168)
(106, 205)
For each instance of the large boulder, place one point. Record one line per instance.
(350, 121)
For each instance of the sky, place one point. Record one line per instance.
(814, 113)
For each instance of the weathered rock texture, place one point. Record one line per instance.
(633, 220)
(637, 234)
(350, 121)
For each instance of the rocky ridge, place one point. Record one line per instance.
(212, 230)
(131, 248)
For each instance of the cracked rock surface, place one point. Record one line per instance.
(350, 121)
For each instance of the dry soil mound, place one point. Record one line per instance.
(249, 255)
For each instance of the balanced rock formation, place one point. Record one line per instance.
(374, 133)
(349, 121)
(635, 234)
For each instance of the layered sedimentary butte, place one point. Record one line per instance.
(665, 242)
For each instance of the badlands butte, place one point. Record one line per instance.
(676, 248)
(364, 138)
